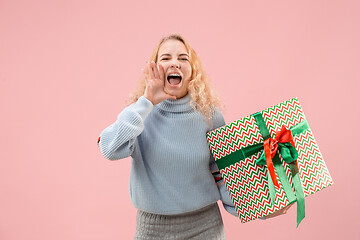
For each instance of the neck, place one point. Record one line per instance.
(178, 105)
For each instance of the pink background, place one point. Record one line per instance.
(67, 67)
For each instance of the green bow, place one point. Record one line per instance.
(287, 152)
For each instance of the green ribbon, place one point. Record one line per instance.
(289, 155)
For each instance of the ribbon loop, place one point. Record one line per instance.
(285, 144)
(269, 162)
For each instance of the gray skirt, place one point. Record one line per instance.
(205, 223)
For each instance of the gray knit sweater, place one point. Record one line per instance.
(172, 169)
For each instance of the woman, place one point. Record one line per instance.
(174, 181)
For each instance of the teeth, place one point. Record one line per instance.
(174, 74)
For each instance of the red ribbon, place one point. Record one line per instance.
(271, 146)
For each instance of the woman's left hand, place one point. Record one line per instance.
(279, 212)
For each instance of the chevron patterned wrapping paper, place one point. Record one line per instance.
(246, 181)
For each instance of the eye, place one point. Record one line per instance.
(165, 58)
(184, 59)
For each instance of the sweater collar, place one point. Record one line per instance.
(178, 105)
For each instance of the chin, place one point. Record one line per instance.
(179, 93)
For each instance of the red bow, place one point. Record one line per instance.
(271, 146)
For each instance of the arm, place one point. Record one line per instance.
(218, 121)
(224, 193)
(117, 140)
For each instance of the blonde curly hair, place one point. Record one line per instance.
(203, 97)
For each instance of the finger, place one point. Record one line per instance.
(145, 70)
(288, 206)
(156, 71)
(286, 209)
(161, 72)
(144, 74)
(152, 66)
(149, 71)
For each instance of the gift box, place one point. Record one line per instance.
(269, 160)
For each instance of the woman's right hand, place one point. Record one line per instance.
(155, 82)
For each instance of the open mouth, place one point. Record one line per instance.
(174, 78)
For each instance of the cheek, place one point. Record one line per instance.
(188, 69)
(164, 65)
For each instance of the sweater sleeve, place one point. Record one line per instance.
(118, 140)
(224, 193)
(218, 121)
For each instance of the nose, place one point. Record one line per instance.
(175, 64)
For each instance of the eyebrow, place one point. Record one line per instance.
(166, 54)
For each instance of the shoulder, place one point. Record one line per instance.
(217, 119)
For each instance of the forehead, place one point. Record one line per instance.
(172, 46)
